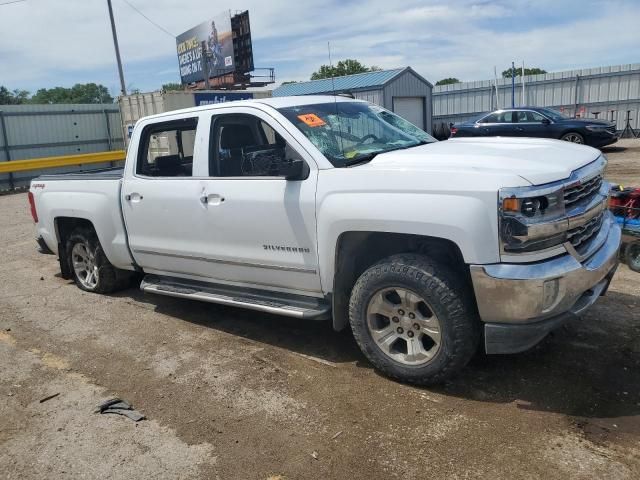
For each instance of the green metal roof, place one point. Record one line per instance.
(358, 81)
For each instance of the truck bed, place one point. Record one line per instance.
(92, 196)
(114, 173)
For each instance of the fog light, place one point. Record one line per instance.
(550, 290)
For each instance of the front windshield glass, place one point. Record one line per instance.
(346, 132)
(553, 114)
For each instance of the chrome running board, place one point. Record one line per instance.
(297, 306)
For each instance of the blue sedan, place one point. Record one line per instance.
(538, 122)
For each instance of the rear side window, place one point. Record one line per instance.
(167, 149)
(499, 117)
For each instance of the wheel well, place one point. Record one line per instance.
(64, 226)
(357, 251)
(571, 130)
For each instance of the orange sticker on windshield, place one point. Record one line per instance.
(312, 120)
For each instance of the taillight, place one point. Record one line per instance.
(32, 204)
(454, 130)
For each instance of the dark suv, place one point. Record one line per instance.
(538, 122)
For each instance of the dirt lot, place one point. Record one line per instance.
(231, 394)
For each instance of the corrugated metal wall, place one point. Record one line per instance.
(373, 96)
(600, 90)
(409, 85)
(34, 131)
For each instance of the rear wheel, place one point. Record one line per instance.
(573, 137)
(90, 267)
(413, 319)
(632, 256)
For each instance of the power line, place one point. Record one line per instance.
(12, 1)
(149, 20)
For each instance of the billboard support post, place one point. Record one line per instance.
(205, 64)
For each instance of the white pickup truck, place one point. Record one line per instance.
(325, 207)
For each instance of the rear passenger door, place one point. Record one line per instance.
(497, 124)
(160, 193)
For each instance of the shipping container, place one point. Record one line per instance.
(134, 107)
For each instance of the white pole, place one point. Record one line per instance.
(495, 82)
(523, 96)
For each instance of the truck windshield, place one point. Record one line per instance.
(349, 132)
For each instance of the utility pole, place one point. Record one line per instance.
(523, 94)
(123, 88)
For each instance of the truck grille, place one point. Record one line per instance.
(584, 190)
(580, 236)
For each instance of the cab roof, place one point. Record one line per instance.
(274, 102)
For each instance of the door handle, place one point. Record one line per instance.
(211, 199)
(133, 197)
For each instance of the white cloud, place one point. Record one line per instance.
(51, 42)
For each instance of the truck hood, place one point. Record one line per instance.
(538, 161)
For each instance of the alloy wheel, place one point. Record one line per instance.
(84, 266)
(404, 326)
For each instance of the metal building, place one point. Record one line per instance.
(35, 131)
(604, 92)
(401, 90)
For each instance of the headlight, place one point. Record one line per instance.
(531, 218)
(596, 128)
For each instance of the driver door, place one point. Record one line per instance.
(255, 228)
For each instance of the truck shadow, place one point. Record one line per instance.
(588, 368)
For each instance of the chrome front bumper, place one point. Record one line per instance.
(525, 295)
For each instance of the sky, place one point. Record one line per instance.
(47, 43)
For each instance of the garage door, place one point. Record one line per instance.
(410, 108)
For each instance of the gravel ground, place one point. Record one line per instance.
(233, 394)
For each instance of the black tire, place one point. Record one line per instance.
(109, 278)
(447, 296)
(573, 137)
(632, 256)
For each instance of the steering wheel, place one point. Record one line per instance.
(367, 137)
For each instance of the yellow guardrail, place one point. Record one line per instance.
(62, 161)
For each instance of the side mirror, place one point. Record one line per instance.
(295, 170)
(546, 121)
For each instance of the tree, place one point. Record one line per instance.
(527, 71)
(447, 81)
(15, 97)
(342, 68)
(79, 93)
(171, 87)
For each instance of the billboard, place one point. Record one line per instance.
(218, 48)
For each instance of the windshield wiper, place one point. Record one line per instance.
(367, 157)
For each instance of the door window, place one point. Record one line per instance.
(500, 117)
(246, 146)
(167, 149)
(535, 117)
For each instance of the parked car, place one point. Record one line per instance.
(540, 123)
(321, 207)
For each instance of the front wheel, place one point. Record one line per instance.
(632, 256)
(573, 137)
(414, 319)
